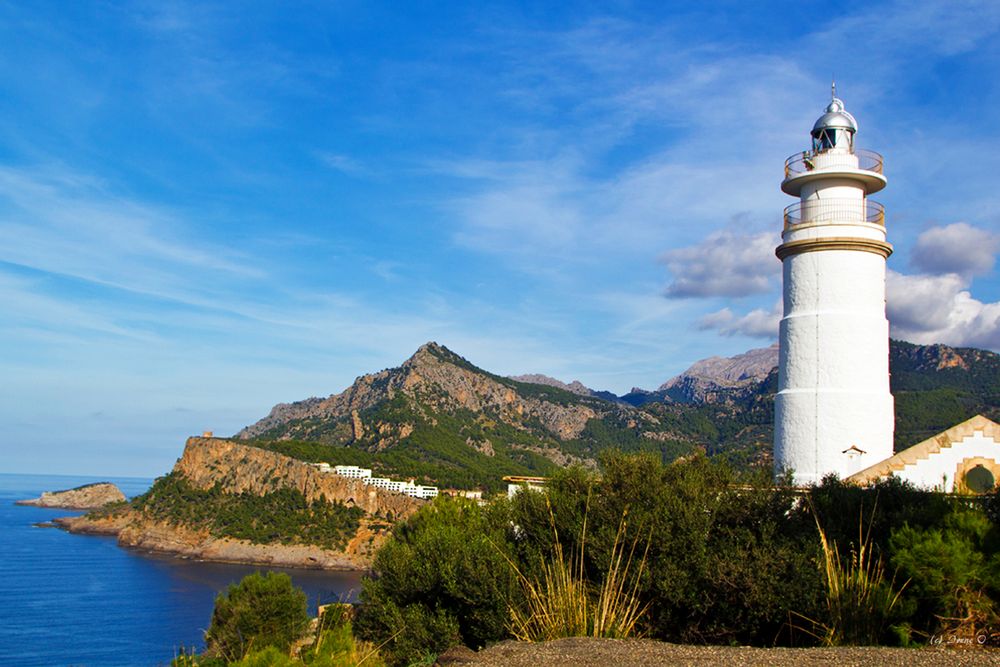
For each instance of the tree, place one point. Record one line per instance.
(262, 610)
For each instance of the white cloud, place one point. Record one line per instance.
(724, 264)
(758, 323)
(957, 248)
(940, 309)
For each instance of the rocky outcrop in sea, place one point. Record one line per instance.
(86, 497)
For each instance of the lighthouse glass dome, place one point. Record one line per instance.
(834, 129)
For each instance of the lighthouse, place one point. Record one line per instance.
(833, 410)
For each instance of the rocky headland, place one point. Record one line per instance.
(232, 468)
(86, 497)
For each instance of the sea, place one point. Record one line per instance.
(83, 600)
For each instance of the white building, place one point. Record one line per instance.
(833, 410)
(352, 471)
(408, 488)
(963, 459)
(379, 482)
(517, 483)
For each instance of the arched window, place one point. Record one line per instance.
(979, 480)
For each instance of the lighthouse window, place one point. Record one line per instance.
(824, 141)
(979, 480)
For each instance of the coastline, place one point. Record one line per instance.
(179, 542)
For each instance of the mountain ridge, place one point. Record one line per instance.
(440, 418)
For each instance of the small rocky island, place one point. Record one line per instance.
(86, 497)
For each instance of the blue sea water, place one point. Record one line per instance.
(83, 600)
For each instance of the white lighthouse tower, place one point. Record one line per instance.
(833, 411)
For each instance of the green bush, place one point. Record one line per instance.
(733, 558)
(442, 579)
(954, 573)
(727, 562)
(262, 610)
(268, 657)
(729, 557)
(889, 503)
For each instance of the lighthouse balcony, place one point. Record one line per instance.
(807, 161)
(834, 212)
(862, 166)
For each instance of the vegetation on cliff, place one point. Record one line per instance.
(283, 516)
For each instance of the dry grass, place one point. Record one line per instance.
(562, 602)
(860, 599)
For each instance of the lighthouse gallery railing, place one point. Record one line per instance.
(832, 211)
(804, 162)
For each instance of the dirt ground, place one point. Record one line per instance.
(582, 652)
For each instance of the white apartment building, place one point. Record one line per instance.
(408, 488)
(352, 471)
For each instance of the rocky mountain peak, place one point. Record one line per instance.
(713, 379)
(751, 366)
(575, 386)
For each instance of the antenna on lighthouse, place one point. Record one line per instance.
(833, 87)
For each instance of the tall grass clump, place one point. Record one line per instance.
(860, 600)
(561, 602)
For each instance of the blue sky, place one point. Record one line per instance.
(206, 209)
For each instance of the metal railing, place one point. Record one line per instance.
(807, 161)
(832, 211)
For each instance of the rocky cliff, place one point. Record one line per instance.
(575, 386)
(231, 469)
(238, 468)
(88, 496)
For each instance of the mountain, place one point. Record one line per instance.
(439, 418)
(715, 378)
(575, 386)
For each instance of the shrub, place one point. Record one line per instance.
(268, 657)
(439, 581)
(954, 570)
(262, 610)
(886, 505)
(729, 557)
